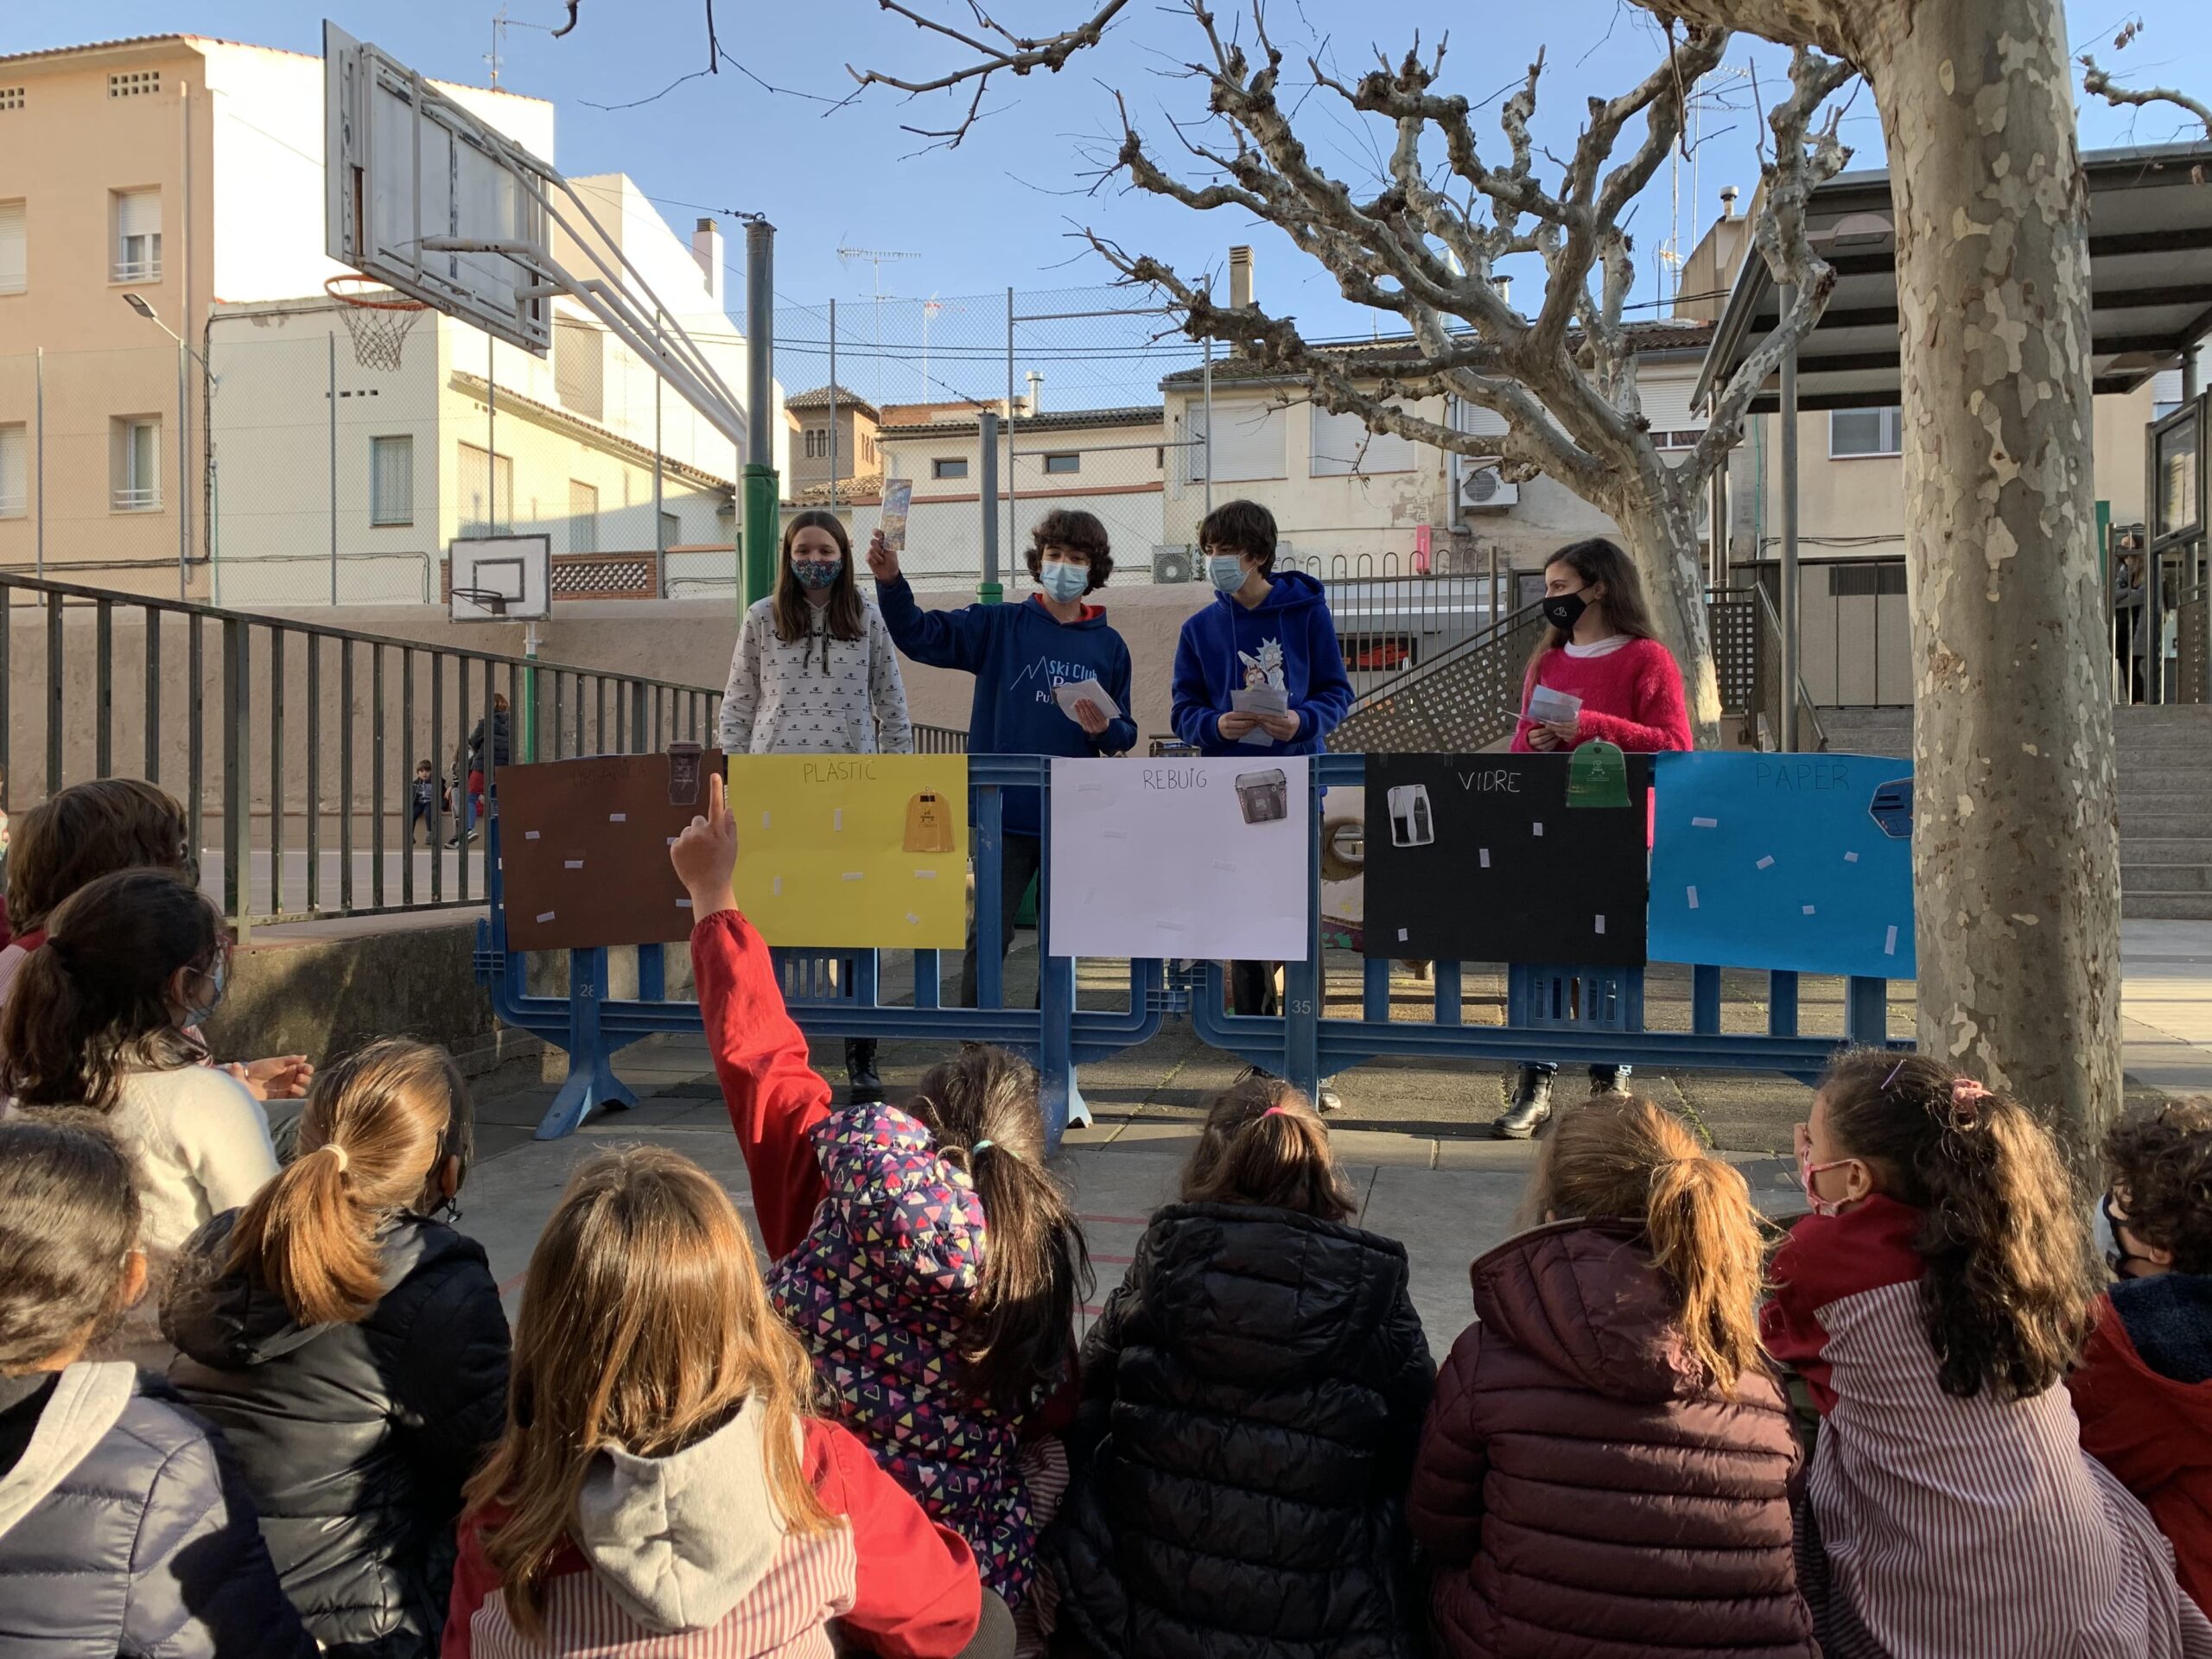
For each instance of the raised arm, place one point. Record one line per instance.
(773, 1095)
(956, 638)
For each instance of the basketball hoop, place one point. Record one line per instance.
(378, 317)
(489, 599)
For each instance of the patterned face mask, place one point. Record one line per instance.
(817, 573)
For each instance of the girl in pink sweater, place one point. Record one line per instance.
(1621, 687)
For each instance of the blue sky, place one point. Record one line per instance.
(1001, 209)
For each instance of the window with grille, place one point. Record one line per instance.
(11, 97)
(1866, 432)
(134, 463)
(14, 453)
(1064, 464)
(392, 481)
(15, 250)
(1867, 580)
(583, 517)
(949, 467)
(487, 492)
(137, 236)
(580, 368)
(137, 83)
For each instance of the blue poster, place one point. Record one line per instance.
(1799, 862)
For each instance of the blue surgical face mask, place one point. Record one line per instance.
(1225, 571)
(817, 573)
(1064, 582)
(217, 979)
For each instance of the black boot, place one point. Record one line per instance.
(1610, 1080)
(859, 1069)
(1532, 1104)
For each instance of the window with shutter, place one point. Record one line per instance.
(583, 517)
(15, 497)
(134, 464)
(15, 252)
(1866, 432)
(580, 368)
(487, 492)
(1250, 442)
(392, 481)
(137, 236)
(1342, 445)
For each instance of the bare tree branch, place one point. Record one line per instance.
(2098, 84)
(1017, 56)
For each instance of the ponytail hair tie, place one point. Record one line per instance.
(980, 1145)
(337, 1152)
(1276, 1111)
(1965, 1097)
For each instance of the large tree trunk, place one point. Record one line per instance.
(1659, 532)
(2016, 850)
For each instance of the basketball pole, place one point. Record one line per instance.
(758, 564)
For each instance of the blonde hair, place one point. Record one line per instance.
(1263, 1143)
(645, 1325)
(377, 1127)
(1623, 1157)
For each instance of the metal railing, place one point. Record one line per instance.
(294, 746)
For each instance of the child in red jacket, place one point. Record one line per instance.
(661, 1489)
(2144, 1389)
(925, 1255)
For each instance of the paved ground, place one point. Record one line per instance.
(1411, 1135)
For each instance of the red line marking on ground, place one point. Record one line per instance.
(508, 1284)
(1119, 1261)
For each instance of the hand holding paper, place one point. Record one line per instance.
(1069, 692)
(1269, 707)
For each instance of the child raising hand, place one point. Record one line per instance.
(924, 1256)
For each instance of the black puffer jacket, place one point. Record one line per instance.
(1252, 1397)
(123, 1529)
(355, 1438)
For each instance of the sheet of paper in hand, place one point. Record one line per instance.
(1799, 862)
(1068, 693)
(1492, 858)
(898, 500)
(583, 848)
(1547, 707)
(1197, 859)
(843, 851)
(1259, 700)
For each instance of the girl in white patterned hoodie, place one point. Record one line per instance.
(815, 672)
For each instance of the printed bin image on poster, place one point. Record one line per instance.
(1200, 859)
(1798, 861)
(1489, 858)
(583, 848)
(846, 851)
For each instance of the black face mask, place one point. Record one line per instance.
(1563, 610)
(2119, 1256)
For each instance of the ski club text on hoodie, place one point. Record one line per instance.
(1288, 643)
(1018, 653)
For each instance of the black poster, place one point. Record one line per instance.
(1508, 858)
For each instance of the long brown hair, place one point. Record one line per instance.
(377, 1128)
(93, 1001)
(845, 618)
(1264, 1144)
(1597, 560)
(1623, 1157)
(2010, 1280)
(68, 1219)
(88, 830)
(645, 1325)
(1036, 1270)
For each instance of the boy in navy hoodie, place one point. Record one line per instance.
(1018, 653)
(1262, 633)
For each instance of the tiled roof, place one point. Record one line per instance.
(1672, 334)
(862, 491)
(1068, 420)
(819, 399)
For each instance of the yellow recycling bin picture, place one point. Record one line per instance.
(853, 851)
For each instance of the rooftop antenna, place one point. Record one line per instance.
(879, 257)
(500, 25)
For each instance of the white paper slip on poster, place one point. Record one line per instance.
(1203, 859)
(1068, 693)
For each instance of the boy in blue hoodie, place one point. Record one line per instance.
(1018, 653)
(1262, 633)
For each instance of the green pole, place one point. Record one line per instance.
(758, 537)
(530, 695)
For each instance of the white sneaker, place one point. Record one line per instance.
(1326, 1098)
(1078, 1112)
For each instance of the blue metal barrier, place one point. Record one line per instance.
(1573, 1015)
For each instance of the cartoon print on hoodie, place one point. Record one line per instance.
(1287, 642)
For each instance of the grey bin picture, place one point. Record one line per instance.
(1264, 795)
(1412, 824)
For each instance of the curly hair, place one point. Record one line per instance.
(2162, 1166)
(1078, 531)
(2010, 1280)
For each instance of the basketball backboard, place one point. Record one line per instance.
(500, 578)
(405, 167)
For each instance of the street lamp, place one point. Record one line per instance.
(138, 303)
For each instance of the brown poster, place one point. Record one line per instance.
(583, 847)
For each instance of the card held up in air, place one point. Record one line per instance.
(898, 501)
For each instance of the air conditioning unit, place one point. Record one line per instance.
(1481, 488)
(1174, 564)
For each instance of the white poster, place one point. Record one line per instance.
(1200, 858)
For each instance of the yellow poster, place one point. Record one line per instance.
(848, 851)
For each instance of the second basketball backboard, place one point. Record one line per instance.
(500, 578)
(406, 167)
